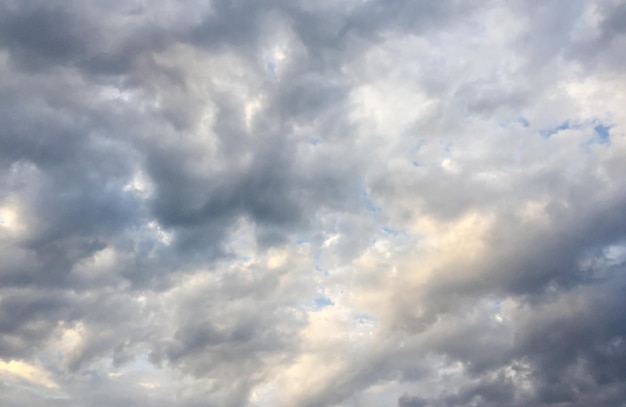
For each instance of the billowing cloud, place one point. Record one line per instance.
(302, 204)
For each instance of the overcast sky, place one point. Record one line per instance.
(351, 203)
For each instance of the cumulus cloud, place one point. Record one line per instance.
(300, 204)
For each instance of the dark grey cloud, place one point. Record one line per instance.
(312, 204)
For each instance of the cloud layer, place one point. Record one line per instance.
(302, 204)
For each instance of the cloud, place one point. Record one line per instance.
(312, 204)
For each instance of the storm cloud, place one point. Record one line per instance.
(302, 204)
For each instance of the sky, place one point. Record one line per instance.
(289, 203)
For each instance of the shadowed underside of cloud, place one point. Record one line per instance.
(331, 203)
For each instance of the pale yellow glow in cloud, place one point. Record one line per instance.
(331, 240)
(332, 334)
(450, 166)
(15, 370)
(535, 212)
(463, 240)
(251, 108)
(149, 385)
(10, 220)
(277, 258)
(71, 338)
(310, 375)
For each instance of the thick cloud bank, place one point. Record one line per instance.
(321, 203)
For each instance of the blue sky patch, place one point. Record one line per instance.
(364, 319)
(368, 202)
(549, 132)
(390, 231)
(322, 301)
(523, 121)
(602, 132)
